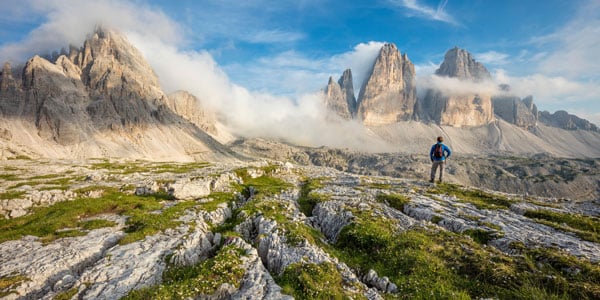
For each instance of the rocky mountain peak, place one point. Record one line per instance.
(335, 99)
(7, 81)
(107, 56)
(565, 120)
(461, 64)
(347, 87)
(389, 93)
(521, 112)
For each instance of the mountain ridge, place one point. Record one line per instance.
(96, 101)
(102, 99)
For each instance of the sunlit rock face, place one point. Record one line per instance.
(102, 99)
(459, 63)
(389, 93)
(191, 108)
(339, 96)
(458, 110)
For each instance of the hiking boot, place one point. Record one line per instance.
(440, 181)
(431, 180)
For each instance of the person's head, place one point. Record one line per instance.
(440, 139)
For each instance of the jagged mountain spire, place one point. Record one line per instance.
(460, 63)
(389, 93)
(347, 87)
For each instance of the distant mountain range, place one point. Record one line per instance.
(474, 121)
(103, 99)
(389, 95)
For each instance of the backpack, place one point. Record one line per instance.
(438, 152)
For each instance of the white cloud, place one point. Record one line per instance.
(550, 91)
(452, 86)
(492, 58)
(273, 36)
(426, 69)
(576, 45)
(424, 11)
(293, 73)
(70, 21)
(360, 60)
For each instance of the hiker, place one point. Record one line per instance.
(438, 155)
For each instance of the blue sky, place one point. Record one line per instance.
(288, 48)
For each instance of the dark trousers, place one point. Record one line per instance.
(435, 165)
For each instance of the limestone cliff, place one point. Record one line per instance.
(564, 120)
(7, 82)
(389, 93)
(339, 96)
(347, 87)
(521, 112)
(102, 99)
(457, 109)
(191, 109)
(459, 63)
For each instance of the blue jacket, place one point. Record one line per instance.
(445, 150)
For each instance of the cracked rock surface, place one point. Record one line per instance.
(295, 240)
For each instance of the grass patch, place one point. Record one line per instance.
(143, 222)
(9, 177)
(313, 281)
(480, 236)
(194, 282)
(143, 167)
(96, 224)
(8, 283)
(308, 200)
(393, 200)
(180, 168)
(48, 222)
(67, 295)
(587, 228)
(11, 195)
(480, 199)
(21, 157)
(121, 168)
(436, 219)
(56, 180)
(262, 186)
(217, 198)
(47, 176)
(377, 185)
(437, 264)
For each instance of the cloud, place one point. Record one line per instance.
(492, 58)
(451, 86)
(426, 69)
(70, 21)
(551, 91)
(424, 11)
(576, 45)
(360, 60)
(293, 73)
(273, 36)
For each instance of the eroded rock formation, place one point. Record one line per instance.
(389, 93)
(458, 109)
(105, 96)
(564, 120)
(521, 112)
(459, 63)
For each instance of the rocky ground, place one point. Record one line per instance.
(539, 175)
(270, 230)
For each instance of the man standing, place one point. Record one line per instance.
(438, 155)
